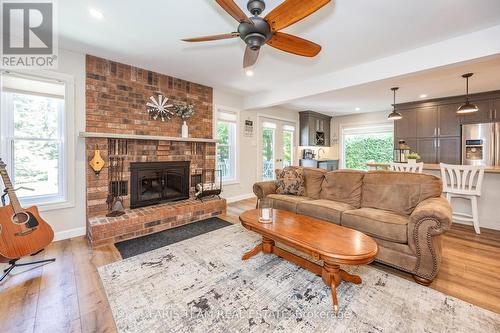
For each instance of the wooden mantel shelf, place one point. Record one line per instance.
(142, 137)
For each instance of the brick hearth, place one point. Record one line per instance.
(142, 221)
(116, 97)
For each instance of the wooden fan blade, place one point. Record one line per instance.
(250, 57)
(213, 37)
(234, 10)
(292, 11)
(294, 44)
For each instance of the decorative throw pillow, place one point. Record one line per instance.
(290, 181)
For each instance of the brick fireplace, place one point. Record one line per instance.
(116, 96)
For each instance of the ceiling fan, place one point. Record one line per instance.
(256, 31)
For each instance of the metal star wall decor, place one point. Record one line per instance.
(160, 108)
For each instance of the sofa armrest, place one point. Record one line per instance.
(263, 189)
(431, 218)
(437, 209)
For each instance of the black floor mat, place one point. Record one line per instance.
(133, 247)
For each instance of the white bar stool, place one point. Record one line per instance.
(463, 181)
(407, 167)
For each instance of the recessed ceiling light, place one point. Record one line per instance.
(358, 109)
(96, 14)
(249, 72)
(423, 96)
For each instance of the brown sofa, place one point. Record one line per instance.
(403, 212)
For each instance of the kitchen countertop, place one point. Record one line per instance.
(427, 166)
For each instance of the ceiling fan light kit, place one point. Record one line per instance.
(256, 31)
(467, 107)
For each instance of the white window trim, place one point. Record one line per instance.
(68, 140)
(370, 127)
(227, 109)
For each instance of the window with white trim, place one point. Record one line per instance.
(33, 137)
(227, 127)
(364, 144)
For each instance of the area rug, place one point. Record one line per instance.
(202, 285)
(133, 247)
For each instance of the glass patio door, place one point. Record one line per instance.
(277, 146)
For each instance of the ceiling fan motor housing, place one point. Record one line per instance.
(257, 34)
(256, 7)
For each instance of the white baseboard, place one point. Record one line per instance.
(66, 234)
(240, 197)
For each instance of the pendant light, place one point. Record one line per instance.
(394, 114)
(467, 107)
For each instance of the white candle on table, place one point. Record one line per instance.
(265, 214)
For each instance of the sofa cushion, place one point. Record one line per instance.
(285, 202)
(378, 223)
(343, 186)
(313, 178)
(290, 181)
(398, 192)
(327, 210)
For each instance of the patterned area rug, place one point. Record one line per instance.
(202, 285)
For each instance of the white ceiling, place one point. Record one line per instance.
(148, 33)
(376, 96)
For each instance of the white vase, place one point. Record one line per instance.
(412, 161)
(185, 130)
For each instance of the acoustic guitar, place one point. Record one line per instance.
(22, 231)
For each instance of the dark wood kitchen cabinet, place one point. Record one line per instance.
(314, 129)
(428, 150)
(407, 126)
(484, 115)
(496, 110)
(449, 121)
(427, 122)
(433, 128)
(449, 150)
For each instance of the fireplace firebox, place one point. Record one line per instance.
(157, 182)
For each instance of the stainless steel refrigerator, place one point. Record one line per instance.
(481, 144)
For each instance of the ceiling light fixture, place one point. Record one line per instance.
(249, 72)
(467, 107)
(423, 96)
(394, 115)
(358, 109)
(96, 14)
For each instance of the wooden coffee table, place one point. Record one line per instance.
(333, 244)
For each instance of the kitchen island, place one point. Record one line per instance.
(488, 202)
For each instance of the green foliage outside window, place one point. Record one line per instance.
(359, 149)
(287, 147)
(267, 144)
(224, 149)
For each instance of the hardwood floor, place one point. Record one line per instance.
(67, 296)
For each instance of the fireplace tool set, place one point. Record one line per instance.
(117, 187)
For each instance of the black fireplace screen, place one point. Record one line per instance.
(157, 182)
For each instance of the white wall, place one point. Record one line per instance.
(354, 119)
(248, 146)
(71, 222)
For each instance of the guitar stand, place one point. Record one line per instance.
(13, 264)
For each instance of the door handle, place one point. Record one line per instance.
(491, 114)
